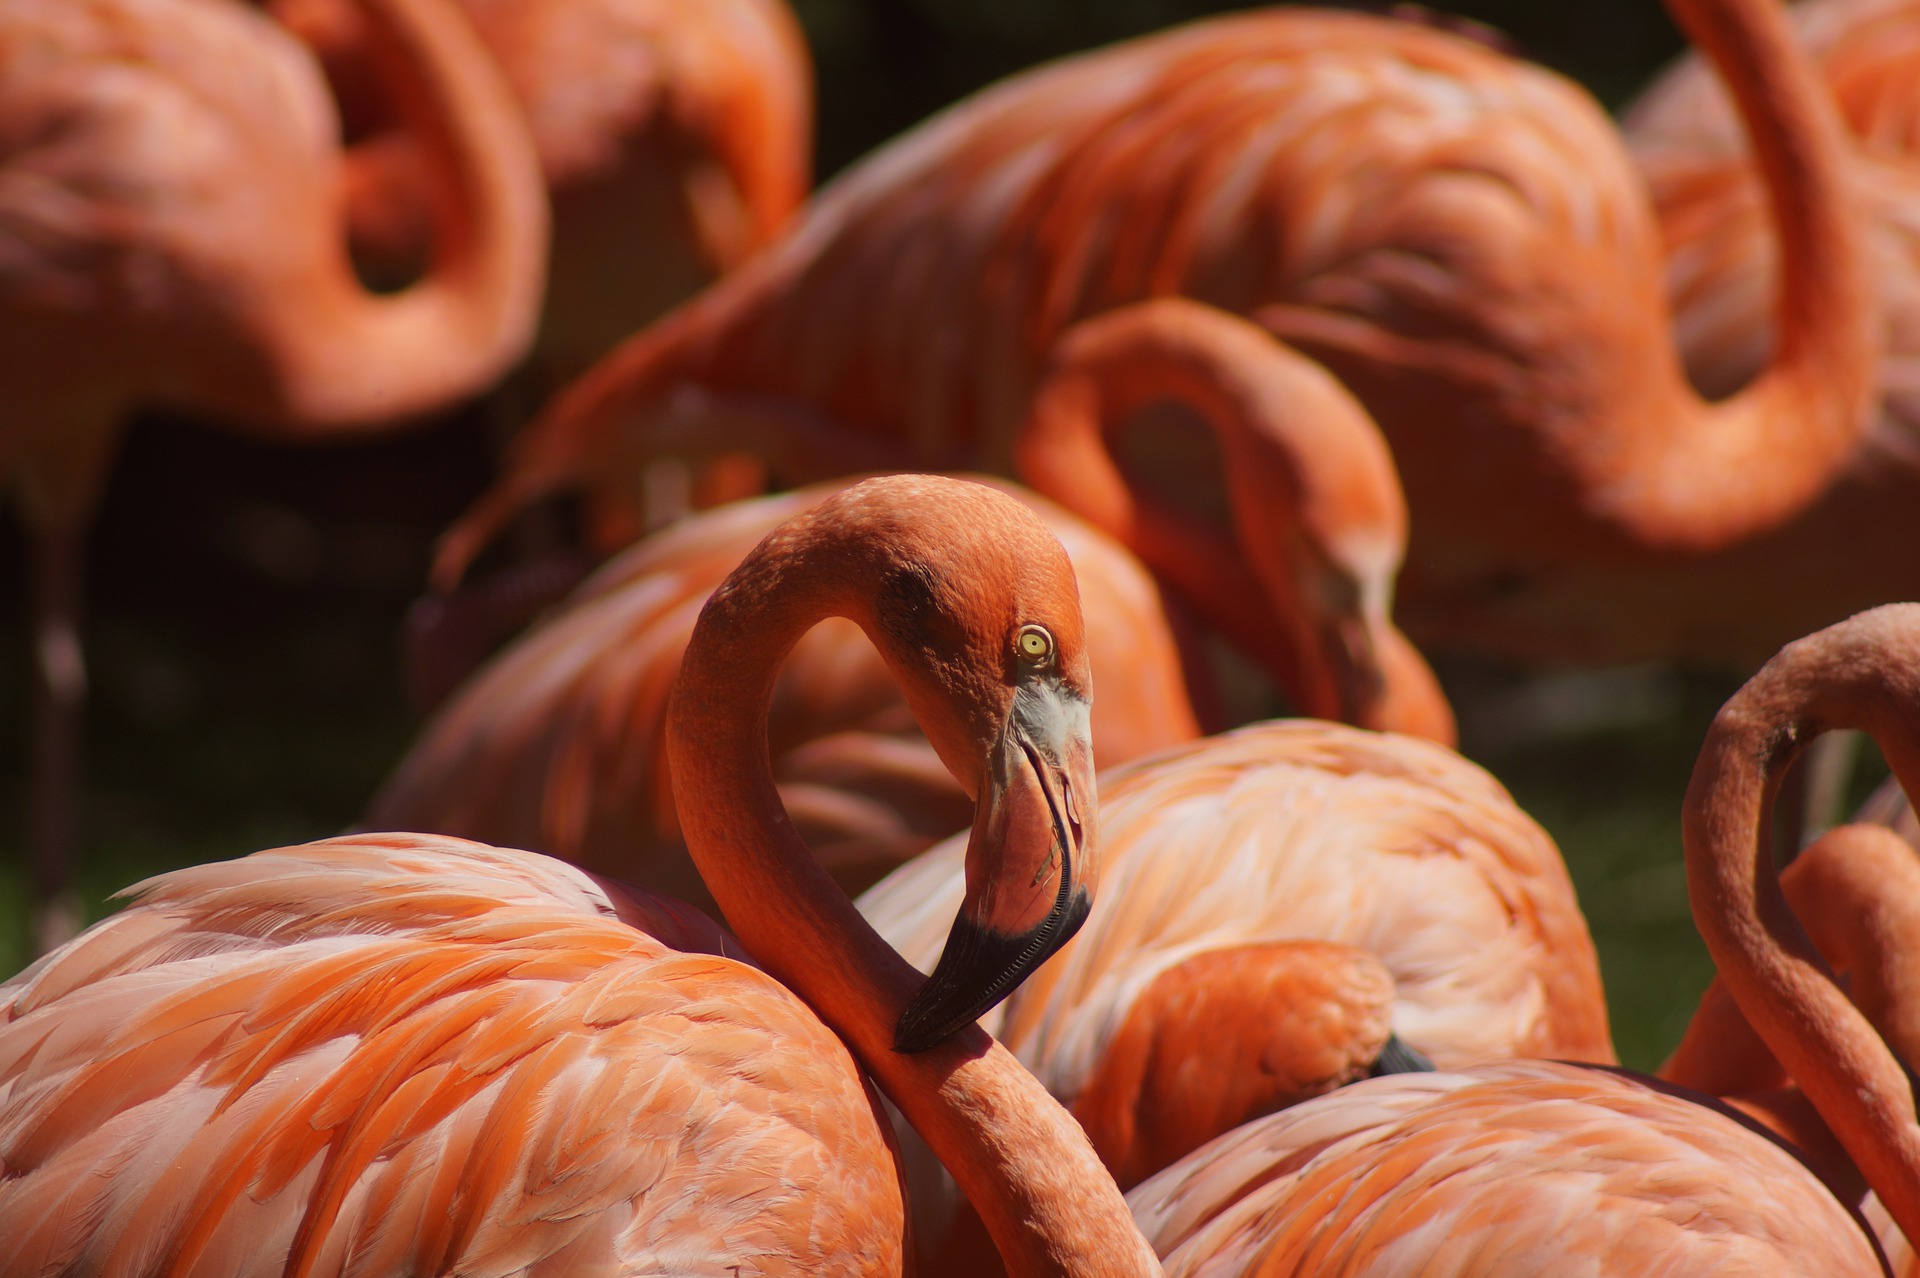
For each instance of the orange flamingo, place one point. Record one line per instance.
(1460, 238)
(1317, 508)
(675, 137)
(169, 235)
(1849, 549)
(1530, 1167)
(408, 1054)
(1286, 906)
(559, 744)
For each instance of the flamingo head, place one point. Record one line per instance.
(977, 613)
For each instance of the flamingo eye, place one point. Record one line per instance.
(1035, 644)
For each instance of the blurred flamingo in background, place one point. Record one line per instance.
(556, 744)
(422, 1055)
(1286, 907)
(170, 234)
(675, 137)
(1530, 1167)
(1851, 548)
(1460, 238)
(1319, 518)
(560, 743)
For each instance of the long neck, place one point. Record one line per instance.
(1788, 432)
(1863, 674)
(745, 91)
(350, 358)
(1019, 1157)
(1316, 502)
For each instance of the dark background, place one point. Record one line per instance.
(244, 599)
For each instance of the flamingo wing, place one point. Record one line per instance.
(407, 1054)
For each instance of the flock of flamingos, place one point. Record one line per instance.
(1301, 997)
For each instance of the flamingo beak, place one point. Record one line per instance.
(1030, 866)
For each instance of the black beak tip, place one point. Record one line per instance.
(978, 968)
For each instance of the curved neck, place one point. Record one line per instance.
(1317, 509)
(1792, 429)
(1021, 1160)
(746, 93)
(1864, 673)
(354, 358)
(1856, 892)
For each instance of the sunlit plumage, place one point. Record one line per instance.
(1529, 1167)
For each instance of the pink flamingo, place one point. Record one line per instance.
(1528, 1167)
(560, 743)
(1286, 908)
(1856, 891)
(170, 235)
(406, 1054)
(1846, 550)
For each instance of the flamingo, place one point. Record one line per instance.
(559, 744)
(1848, 549)
(1528, 1167)
(1458, 237)
(1316, 504)
(408, 1054)
(1287, 908)
(169, 236)
(674, 136)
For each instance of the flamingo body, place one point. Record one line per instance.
(1458, 237)
(558, 744)
(1848, 550)
(1532, 1167)
(1511, 1168)
(410, 1054)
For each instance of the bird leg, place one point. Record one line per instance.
(59, 703)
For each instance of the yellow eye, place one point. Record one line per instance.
(1036, 645)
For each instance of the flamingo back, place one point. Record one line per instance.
(409, 1054)
(1514, 1168)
